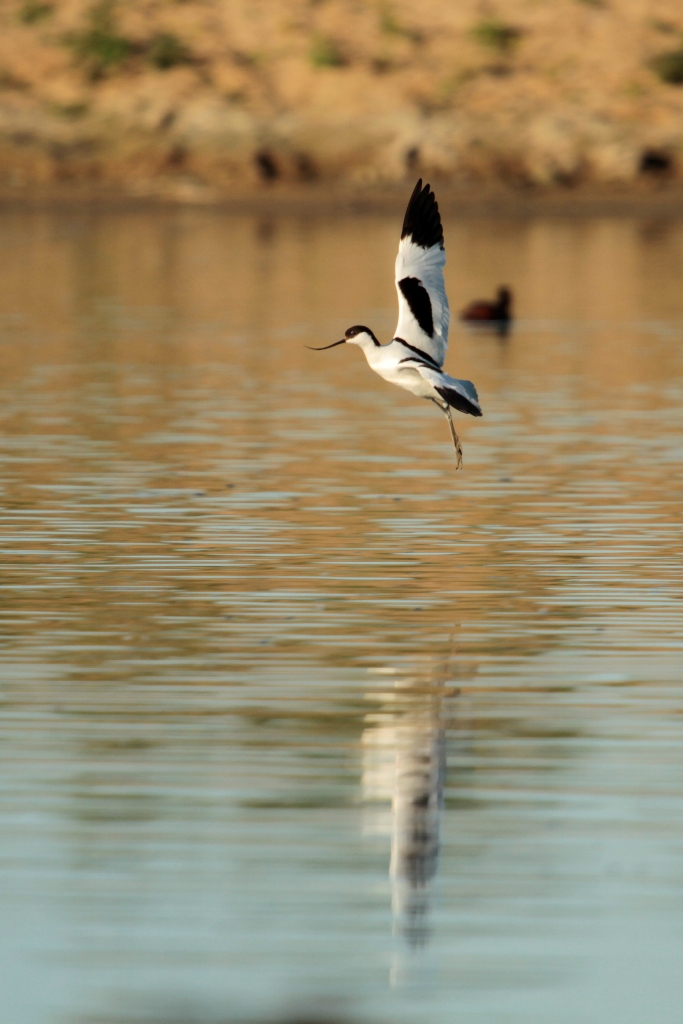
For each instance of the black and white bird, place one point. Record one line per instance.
(414, 358)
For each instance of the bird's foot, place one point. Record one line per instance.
(458, 452)
(445, 409)
(456, 439)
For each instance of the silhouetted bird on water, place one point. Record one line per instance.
(497, 315)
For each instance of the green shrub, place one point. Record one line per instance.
(325, 53)
(70, 111)
(166, 51)
(34, 10)
(390, 25)
(497, 35)
(99, 47)
(669, 67)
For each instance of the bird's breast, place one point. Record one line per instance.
(406, 377)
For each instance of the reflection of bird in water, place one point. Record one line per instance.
(417, 805)
(497, 314)
(405, 762)
(414, 358)
(198, 1015)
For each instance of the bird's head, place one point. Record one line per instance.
(505, 298)
(360, 335)
(357, 335)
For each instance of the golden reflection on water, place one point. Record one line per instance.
(229, 569)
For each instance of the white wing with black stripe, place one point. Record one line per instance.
(423, 307)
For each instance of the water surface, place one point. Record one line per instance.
(293, 714)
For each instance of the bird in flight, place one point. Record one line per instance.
(414, 358)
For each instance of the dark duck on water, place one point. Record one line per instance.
(497, 314)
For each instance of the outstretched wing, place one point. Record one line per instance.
(423, 307)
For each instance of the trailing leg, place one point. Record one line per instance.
(456, 439)
(445, 408)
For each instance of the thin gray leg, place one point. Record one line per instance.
(456, 440)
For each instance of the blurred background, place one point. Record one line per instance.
(192, 99)
(297, 724)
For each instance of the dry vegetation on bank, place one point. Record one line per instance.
(193, 96)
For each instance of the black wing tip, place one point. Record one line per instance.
(422, 221)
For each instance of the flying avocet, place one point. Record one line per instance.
(415, 357)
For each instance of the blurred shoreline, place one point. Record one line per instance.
(322, 199)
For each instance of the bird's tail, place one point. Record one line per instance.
(463, 396)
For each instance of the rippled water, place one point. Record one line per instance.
(263, 651)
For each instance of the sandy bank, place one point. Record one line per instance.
(202, 100)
